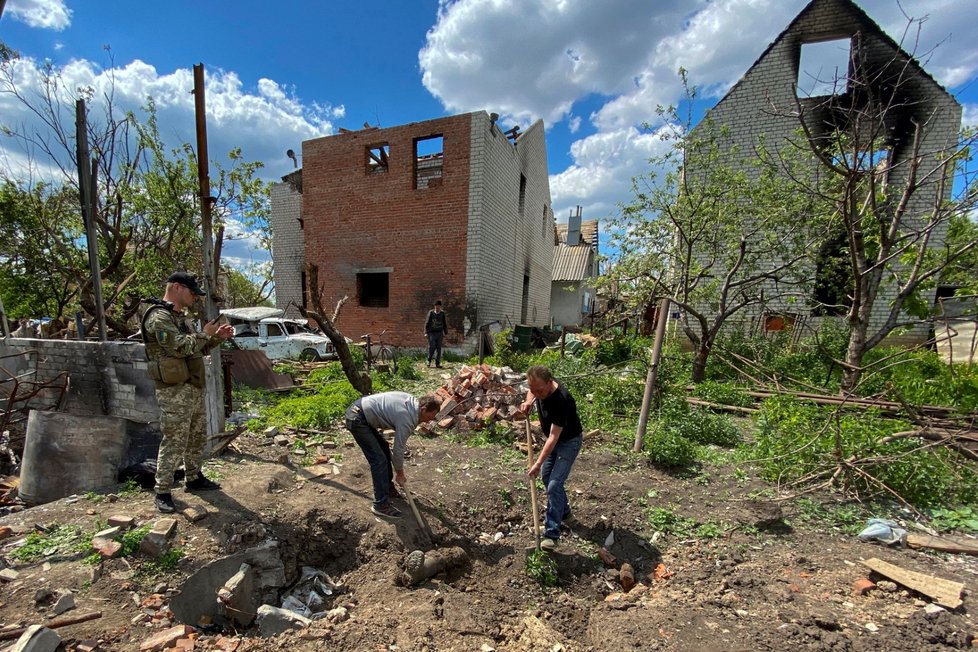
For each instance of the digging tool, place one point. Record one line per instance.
(423, 524)
(533, 486)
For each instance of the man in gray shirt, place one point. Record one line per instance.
(400, 412)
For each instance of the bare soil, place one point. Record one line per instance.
(773, 587)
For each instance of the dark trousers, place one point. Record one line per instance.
(376, 449)
(434, 346)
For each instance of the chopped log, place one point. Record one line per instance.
(944, 544)
(944, 592)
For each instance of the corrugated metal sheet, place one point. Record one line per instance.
(572, 263)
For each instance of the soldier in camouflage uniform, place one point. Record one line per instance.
(175, 354)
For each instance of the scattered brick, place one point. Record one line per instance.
(165, 639)
(862, 586)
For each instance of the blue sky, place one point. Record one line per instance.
(280, 73)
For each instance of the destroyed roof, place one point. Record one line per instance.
(860, 16)
(256, 313)
(589, 233)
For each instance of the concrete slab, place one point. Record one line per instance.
(956, 341)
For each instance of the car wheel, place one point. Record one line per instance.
(309, 355)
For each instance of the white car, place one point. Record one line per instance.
(264, 329)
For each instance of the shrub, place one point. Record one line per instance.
(794, 440)
(668, 447)
(316, 411)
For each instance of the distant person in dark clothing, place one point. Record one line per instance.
(435, 328)
(562, 427)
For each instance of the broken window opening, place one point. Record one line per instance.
(373, 289)
(543, 223)
(776, 322)
(377, 158)
(870, 159)
(833, 277)
(274, 330)
(428, 160)
(522, 193)
(305, 289)
(823, 68)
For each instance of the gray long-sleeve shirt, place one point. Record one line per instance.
(394, 410)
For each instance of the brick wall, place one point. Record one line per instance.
(105, 378)
(288, 252)
(447, 228)
(506, 243)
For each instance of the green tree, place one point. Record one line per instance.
(712, 230)
(895, 185)
(147, 213)
(39, 250)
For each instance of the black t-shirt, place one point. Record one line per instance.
(435, 323)
(560, 409)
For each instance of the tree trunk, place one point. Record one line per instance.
(699, 360)
(360, 381)
(852, 371)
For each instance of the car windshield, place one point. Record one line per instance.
(294, 328)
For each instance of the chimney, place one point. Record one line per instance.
(574, 228)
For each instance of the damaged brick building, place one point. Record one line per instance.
(807, 73)
(452, 208)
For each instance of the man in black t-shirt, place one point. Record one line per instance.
(562, 427)
(435, 329)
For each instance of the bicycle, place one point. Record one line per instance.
(385, 357)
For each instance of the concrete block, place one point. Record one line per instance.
(37, 638)
(273, 620)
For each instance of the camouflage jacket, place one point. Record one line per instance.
(168, 334)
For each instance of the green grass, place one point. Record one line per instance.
(60, 540)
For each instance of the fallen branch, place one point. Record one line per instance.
(54, 624)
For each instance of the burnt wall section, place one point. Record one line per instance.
(104, 379)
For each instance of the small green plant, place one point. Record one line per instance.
(665, 520)
(160, 566)
(542, 567)
(709, 530)
(61, 539)
(506, 496)
(94, 497)
(131, 540)
(963, 518)
(129, 489)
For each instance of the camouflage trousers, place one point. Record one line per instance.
(182, 421)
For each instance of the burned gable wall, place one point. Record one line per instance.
(104, 379)
(763, 105)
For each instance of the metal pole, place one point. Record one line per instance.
(86, 194)
(204, 182)
(660, 331)
(214, 385)
(3, 313)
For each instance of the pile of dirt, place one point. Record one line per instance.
(755, 579)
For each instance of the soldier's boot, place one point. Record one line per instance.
(164, 503)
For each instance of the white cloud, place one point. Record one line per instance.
(264, 121)
(45, 14)
(541, 58)
(529, 59)
(969, 115)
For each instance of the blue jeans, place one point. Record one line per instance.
(377, 451)
(554, 472)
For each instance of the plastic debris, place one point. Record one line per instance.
(884, 531)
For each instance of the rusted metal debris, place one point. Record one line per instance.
(254, 369)
(23, 391)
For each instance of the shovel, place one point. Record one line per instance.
(533, 486)
(425, 529)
